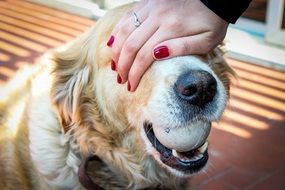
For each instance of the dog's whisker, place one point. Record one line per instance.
(149, 130)
(154, 139)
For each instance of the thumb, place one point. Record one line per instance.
(196, 44)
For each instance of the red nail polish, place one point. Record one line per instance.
(111, 41)
(129, 86)
(119, 79)
(161, 52)
(113, 65)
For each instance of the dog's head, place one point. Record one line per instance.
(165, 122)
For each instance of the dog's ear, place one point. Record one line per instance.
(72, 92)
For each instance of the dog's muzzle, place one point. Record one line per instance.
(180, 131)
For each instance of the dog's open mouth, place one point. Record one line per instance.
(187, 162)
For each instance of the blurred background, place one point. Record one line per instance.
(247, 145)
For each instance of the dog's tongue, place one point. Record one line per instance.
(183, 139)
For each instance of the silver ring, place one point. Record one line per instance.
(136, 20)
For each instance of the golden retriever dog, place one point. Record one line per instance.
(67, 124)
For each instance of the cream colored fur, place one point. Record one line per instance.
(70, 107)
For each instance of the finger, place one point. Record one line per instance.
(138, 6)
(132, 46)
(138, 68)
(144, 59)
(126, 29)
(120, 23)
(195, 44)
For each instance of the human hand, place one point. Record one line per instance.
(168, 28)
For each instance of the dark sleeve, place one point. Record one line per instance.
(228, 10)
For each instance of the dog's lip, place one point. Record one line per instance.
(186, 162)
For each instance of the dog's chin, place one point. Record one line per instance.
(182, 164)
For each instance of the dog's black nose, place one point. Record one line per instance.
(196, 87)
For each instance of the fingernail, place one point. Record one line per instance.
(111, 41)
(129, 86)
(113, 65)
(161, 52)
(119, 79)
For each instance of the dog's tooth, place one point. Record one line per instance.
(197, 157)
(175, 153)
(185, 159)
(203, 148)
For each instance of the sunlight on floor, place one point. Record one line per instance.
(232, 129)
(4, 57)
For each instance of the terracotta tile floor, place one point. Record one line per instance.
(246, 146)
